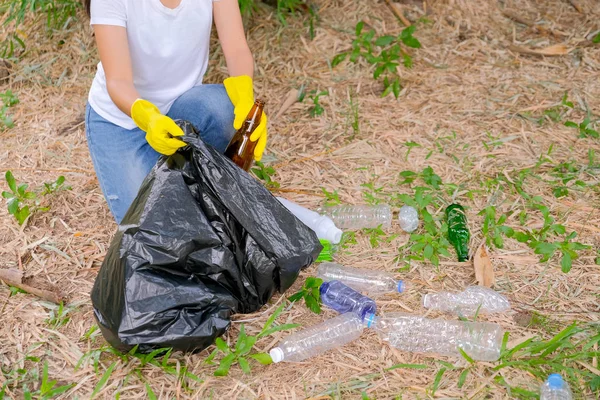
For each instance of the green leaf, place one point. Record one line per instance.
(211, 356)
(274, 316)
(408, 31)
(560, 191)
(242, 339)
(409, 366)
(263, 358)
(30, 195)
(338, 59)
(522, 237)
(150, 392)
(466, 356)
(60, 180)
(571, 124)
(312, 304)
(359, 28)
(7, 195)
(407, 61)
(384, 40)
(438, 379)
(378, 71)
(546, 249)
(224, 365)
(247, 345)
(10, 179)
(13, 206)
(222, 345)
(595, 383)
(279, 328)
(596, 38)
(310, 282)
(396, 87)
(244, 365)
(566, 262)
(463, 378)
(428, 252)
(103, 380)
(22, 214)
(388, 90)
(296, 296)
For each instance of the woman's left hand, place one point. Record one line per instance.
(241, 94)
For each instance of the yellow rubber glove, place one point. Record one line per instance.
(160, 129)
(240, 92)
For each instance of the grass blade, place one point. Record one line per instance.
(410, 366)
(103, 380)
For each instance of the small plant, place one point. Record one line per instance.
(383, 52)
(585, 128)
(317, 109)
(59, 13)
(22, 203)
(332, 198)
(8, 99)
(410, 146)
(310, 293)
(59, 316)
(373, 194)
(265, 174)
(596, 39)
(427, 175)
(432, 243)
(377, 235)
(493, 229)
(244, 345)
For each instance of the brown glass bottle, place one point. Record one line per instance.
(240, 149)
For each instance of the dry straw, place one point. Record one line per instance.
(468, 80)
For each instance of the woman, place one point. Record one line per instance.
(153, 56)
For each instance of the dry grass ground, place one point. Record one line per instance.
(471, 105)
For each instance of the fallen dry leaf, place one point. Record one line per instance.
(290, 99)
(554, 50)
(484, 272)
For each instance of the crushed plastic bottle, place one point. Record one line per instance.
(408, 217)
(343, 299)
(362, 280)
(322, 225)
(555, 388)
(473, 300)
(359, 216)
(480, 340)
(317, 339)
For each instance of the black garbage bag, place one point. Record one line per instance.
(203, 240)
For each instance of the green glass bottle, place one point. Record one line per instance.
(458, 231)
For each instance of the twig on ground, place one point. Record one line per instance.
(14, 277)
(397, 13)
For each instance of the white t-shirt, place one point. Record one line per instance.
(169, 51)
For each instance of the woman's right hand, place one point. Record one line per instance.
(161, 131)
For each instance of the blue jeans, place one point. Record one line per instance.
(123, 158)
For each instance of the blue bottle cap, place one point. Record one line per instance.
(369, 319)
(323, 288)
(555, 381)
(400, 286)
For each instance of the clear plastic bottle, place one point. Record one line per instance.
(359, 216)
(480, 340)
(555, 388)
(467, 303)
(362, 280)
(322, 225)
(343, 299)
(408, 217)
(317, 339)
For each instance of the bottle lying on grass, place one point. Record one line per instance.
(362, 280)
(318, 339)
(320, 224)
(473, 300)
(359, 216)
(343, 299)
(479, 340)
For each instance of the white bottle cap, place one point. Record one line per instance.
(426, 303)
(276, 354)
(329, 231)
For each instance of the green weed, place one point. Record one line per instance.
(310, 293)
(385, 53)
(410, 146)
(494, 229)
(596, 39)
(331, 198)
(22, 203)
(58, 14)
(8, 99)
(432, 242)
(584, 128)
(317, 109)
(265, 174)
(377, 235)
(240, 353)
(59, 316)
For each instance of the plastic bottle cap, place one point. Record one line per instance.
(369, 320)
(426, 301)
(400, 286)
(555, 381)
(276, 354)
(329, 230)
